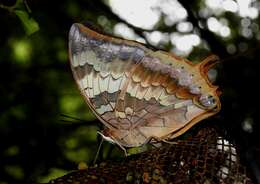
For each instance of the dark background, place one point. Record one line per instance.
(36, 85)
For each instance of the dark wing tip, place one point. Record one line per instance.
(74, 32)
(75, 39)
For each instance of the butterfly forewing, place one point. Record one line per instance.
(101, 68)
(133, 90)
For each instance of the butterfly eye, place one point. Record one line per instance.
(208, 101)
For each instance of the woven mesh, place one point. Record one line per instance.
(206, 158)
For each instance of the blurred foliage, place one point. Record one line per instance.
(23, 11)
(37, 86)
(29, 24)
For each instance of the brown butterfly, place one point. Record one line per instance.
(137, 93)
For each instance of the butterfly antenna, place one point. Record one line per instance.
(205, 65)
(71, 117)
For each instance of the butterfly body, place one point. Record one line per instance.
(138, 93)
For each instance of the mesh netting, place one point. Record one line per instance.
(205, 158)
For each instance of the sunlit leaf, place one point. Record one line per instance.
(29, 24)
(136, 150)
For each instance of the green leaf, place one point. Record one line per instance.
(29, 24)
(137, 150)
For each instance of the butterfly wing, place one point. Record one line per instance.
(137, 93)
(101, 67)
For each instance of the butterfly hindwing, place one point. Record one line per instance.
(133, 90)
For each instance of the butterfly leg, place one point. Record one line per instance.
(98, 151)
(208, 62)
(125, 152)
(113, 141)
(169, 142)
(155, 140)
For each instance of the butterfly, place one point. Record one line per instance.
(138, 93)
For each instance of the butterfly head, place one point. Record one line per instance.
(208, 97)
(208, 101)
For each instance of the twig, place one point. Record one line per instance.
(9, 8)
